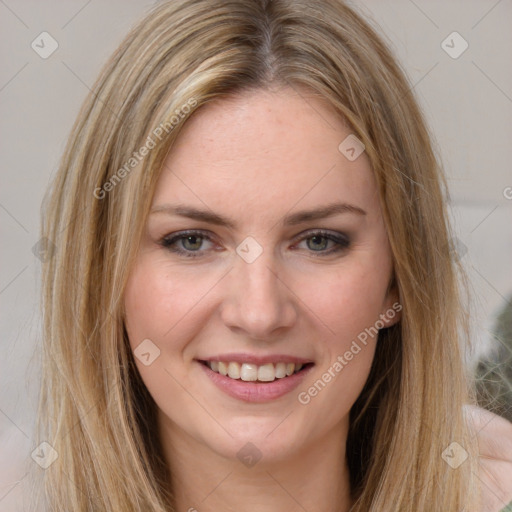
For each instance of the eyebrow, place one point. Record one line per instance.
(290, 220)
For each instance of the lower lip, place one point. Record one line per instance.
(256, 392)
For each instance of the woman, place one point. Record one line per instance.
(252, 303)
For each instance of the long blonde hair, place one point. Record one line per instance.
(94, 409)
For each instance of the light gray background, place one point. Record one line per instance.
(467, 101)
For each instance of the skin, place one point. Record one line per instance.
(243, 158)
(494, 437)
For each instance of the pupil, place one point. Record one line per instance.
(317, 243)
(192, 242)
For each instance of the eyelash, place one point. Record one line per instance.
(341, 240)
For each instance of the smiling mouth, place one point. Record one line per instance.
(249, 372)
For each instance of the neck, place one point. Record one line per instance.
(316, 478)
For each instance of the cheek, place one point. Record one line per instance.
(162, 305)
(347, 304)
(147, 305)
(160, 302)
(345, 301)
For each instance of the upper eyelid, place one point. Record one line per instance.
(174, 238)
(210, 235)
(320, 231)
(188, 232)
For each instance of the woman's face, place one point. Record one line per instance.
(265, 250)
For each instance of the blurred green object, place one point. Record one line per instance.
(494, 372)
(508, 508)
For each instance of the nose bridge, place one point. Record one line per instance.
(259, 280)
(257, 300)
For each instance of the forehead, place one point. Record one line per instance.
(264, 151)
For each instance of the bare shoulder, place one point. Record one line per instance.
(494, 435)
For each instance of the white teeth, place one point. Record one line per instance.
(234, 370)
(250, 372)
(266, 373)
(280, 370)
(223, 368)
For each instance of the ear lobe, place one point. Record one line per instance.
(393, 308)
(392, 314)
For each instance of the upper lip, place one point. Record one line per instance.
(257, 359)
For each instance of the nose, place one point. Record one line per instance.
(258, 302)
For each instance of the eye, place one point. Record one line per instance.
(324, 242)
(194, 243)
(188, 243)
(191, 242)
